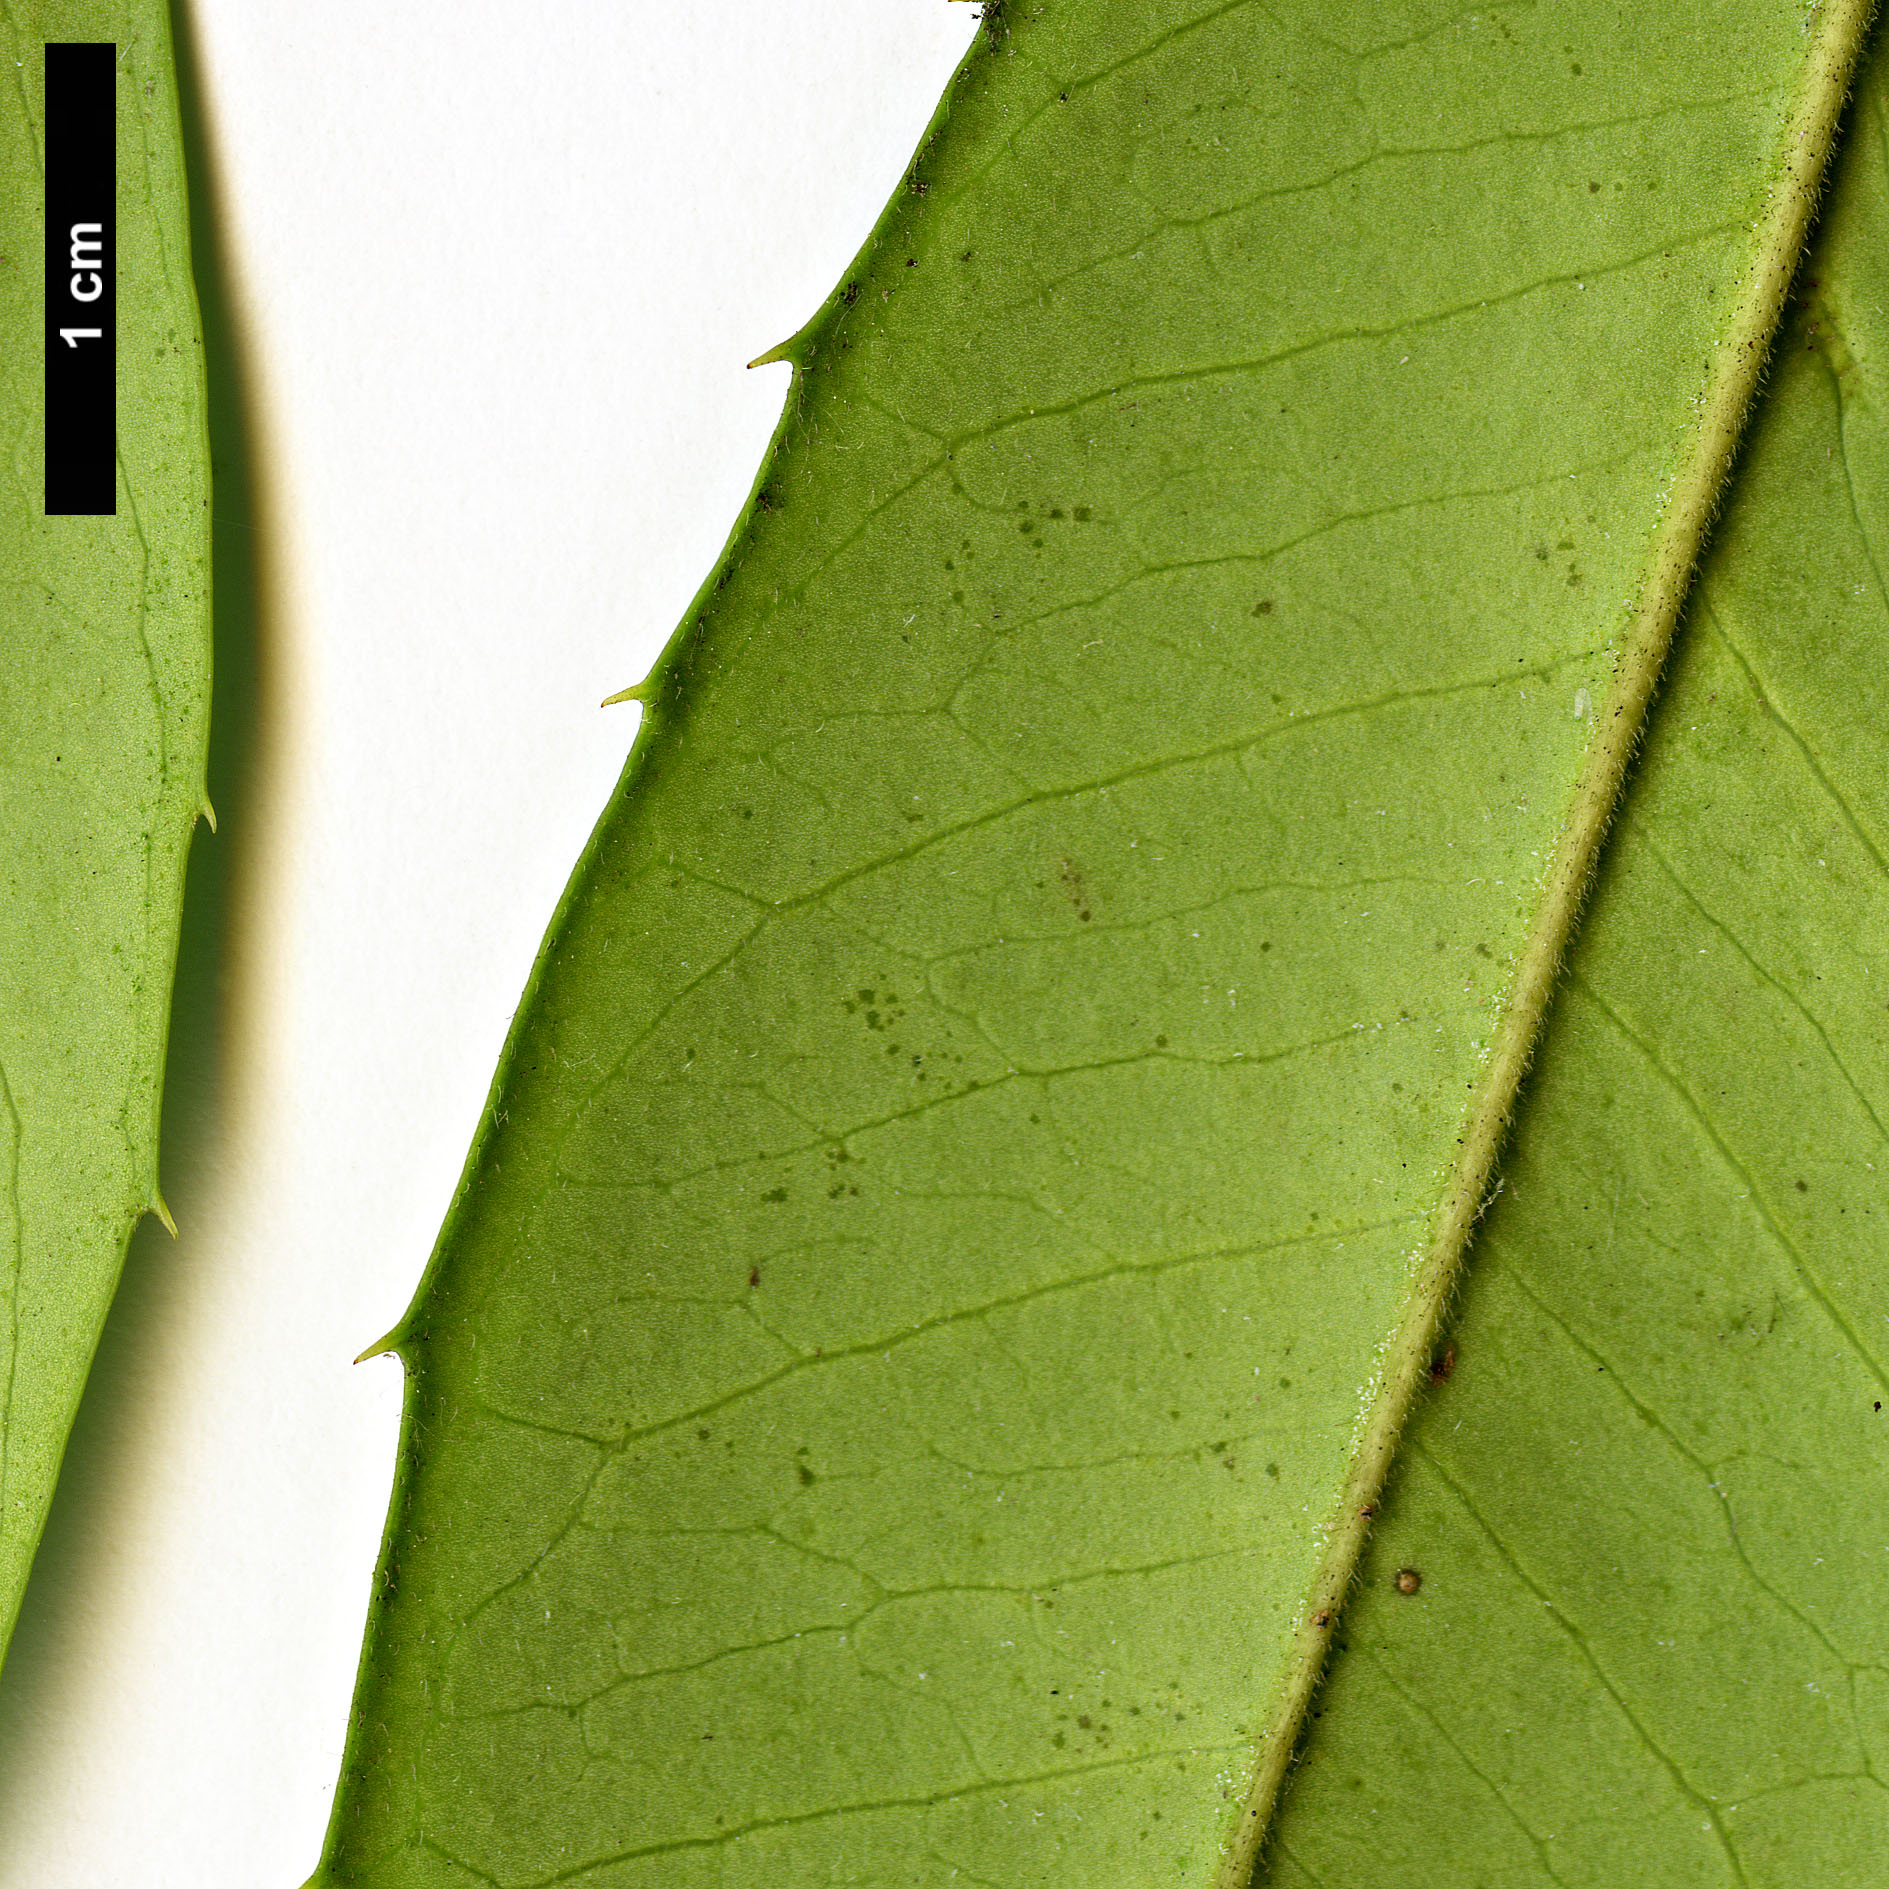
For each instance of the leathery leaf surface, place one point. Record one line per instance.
(1648, 1505)
(876, 1406)
(104, 721)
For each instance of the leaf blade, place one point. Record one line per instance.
(104, 725)
(1132, 376)
(1684, 1267)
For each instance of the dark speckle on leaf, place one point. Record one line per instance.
(1274, 337)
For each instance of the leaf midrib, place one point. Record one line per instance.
(1808, 137)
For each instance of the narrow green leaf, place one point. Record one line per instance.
(965, 1210)
(104, 709)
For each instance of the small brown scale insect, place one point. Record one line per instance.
(1408, 1580)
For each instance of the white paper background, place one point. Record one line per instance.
(497, 269)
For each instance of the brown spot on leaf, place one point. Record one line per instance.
(1071, 876)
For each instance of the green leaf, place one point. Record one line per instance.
(104, 710)
(1651, 1643)
(966, 1211)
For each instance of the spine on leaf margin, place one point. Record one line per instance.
(666, 674)
(655, 693)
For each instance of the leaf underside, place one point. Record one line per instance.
(104, 722)
(1648, 1506)
(875, 1407)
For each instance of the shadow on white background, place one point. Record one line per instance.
(479, 284)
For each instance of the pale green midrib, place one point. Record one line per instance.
(1836, 36)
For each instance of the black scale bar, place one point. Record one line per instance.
(81, 279)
